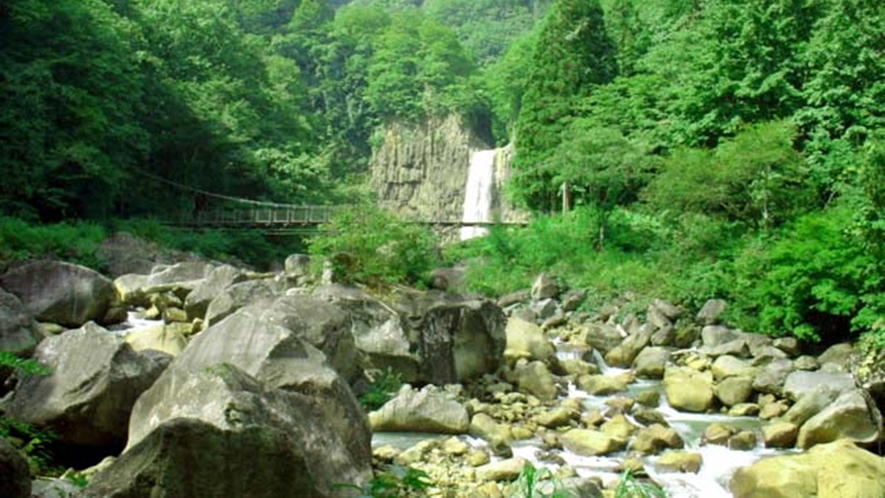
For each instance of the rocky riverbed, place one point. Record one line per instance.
(246, 384)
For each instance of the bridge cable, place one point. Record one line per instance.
(210, 194)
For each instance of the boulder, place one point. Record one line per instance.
(217, 280)
(688, 389)
(527, 340)
(729, 366)
(557, 417)
(627, 351)
(586, 442)
(734, 390)
(809, 404)
(217, 431)
(603, 336)
(321, 324)
(503, 470)
(770, 378)
(94, 380)
(650, 362)
(840, 356)
(798, 384)
(427, 410)
(851, 416)
(62, 293)
(536, 379)
(679, 461)
(159, 337)
(711, 311)
(429, 337)
(601, 385)
(241, 294)
(277, 356)
(655, 438)
(17, 333)
(15, 475)
(297, 268)
(834, 470)
(179, 279)
(717, 335)
(485, 427)
(779, 434)
(544, 287)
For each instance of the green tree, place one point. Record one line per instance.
(600, 169)
(69, 99)
(573, 54)
(756, 178)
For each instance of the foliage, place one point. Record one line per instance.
(368, 245)
(31, 441)
(539, 483)
(23, 367)
(810, 282)
(394, 481)
(756, 178)
(572, 55)
(629, 487)
(382, 388)
(76, 242)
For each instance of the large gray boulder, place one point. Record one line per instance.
(427, 410)
(62, 293)
(431, 337)
(241, 294)
(321, 324)
(798, 384)
(851, 416)
(216, 281)
(179, 279)
(276, 355)
(94, 381)
(770, 378)
(219, 432)
(834, 470)
(15, 476)
(17, 334)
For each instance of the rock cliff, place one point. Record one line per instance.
(420, 172)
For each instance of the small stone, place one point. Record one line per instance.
(454, 446)
(680, 461)
(476, 457)
(718, 434)
(742, 441)
(779, 435)
(504, 470)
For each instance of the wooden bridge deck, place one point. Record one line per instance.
(290, 217)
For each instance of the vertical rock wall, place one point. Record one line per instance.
(420, 172)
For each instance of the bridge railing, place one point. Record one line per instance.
(261, 216)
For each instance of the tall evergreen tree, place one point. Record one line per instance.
(572, 56)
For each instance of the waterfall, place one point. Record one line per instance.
(478, 193)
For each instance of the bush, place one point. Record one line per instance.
(811, 280)
(368, 245)
(74, 242)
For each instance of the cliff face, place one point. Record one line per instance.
(420, 172)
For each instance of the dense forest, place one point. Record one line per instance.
(729, 148)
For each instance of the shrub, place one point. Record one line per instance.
(810, 280)
(383, 387)
(368, 245)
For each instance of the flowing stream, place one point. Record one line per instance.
(478, 193)
(719, 462)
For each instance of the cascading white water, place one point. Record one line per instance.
(478, 193)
